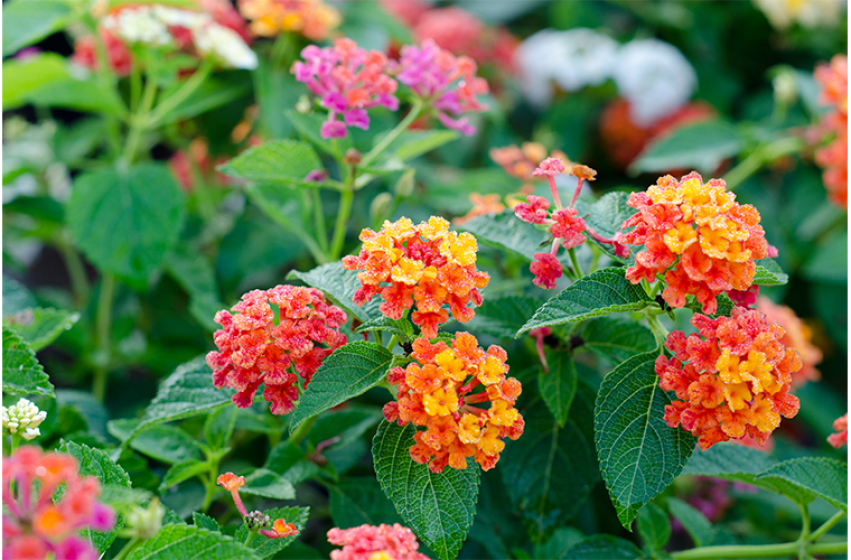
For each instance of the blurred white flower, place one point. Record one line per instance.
(177, 17)
(226, 44)
(655, 78)
(23, 418)
(138, 25)
(809, 13)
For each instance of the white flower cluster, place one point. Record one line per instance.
(811, 14)
(652, 75)
(150, 25)
(23, 418)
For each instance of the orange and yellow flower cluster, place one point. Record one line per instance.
(733, 378)
(697, 236)
(833, 79)
(426, 264)
(311, 18)
(798, 336)
(437, 392)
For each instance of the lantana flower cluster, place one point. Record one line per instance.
(840, 438)
(368, 542)
(697, 237)
(425, 264)
(798, 336)
(35, 525)
(833, 79)
(311, 18)
(257, 347)
(437, 392)
(255, 520)
(732, 379)
(23, 418)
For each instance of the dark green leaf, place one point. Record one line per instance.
(277, 161)
(401, 328)
(341, 427)
(181, 472)
(604, 547)
(503, 317)
(829, 261)
(729, 461)
(213, 92)
(205, 522)
(807, 478)
(179, 541)
(22, 374)
(26, 22)
(196, 276)
(359, 500)
(506, 231)
(654, 527)
(769, 273)
(605, 216)
(268, 484)
(695, 523)
(340, 285)
(276, 90)
(563, 539)
(39, 327)
(701, 146)
(219, 427)
(617, 338)
(168, 444)
(265, 547)
(558, 386)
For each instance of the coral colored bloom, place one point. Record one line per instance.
(547, 269)
(482, 205)
(349, 80)
(426, 265)
(534, 211)
(840, 438)
(311, 18)
(696, 236)
(732, 378)
(255, 520)
(437, 392)
(569, 227)
(833, 157)
(369, 542)
(798, 336)
(119, 56)
(256, 347)
(521, 162)
(549, 167)
(34, 524)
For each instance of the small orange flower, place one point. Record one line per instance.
(311, 18)
(482, 205)
(230, 481)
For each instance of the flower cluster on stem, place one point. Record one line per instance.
(255, 521)
(23, 419)
(368, 542)
(311, 18)
(833, 79)
(840, 438)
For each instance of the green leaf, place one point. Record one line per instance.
(291, 461)
(219, 427)
(504, 316)
(358, 500)
(344, 426)
(414, 143)
(181, 472)
(265, 547)
(22, 374)
(563, 539)
(505, 231)
(605, 216)
(205, 522)
(617, 338)
(729, 461)
(16, 297)
(276, 90)
(640, 455)
(126, 221)
(22, 77)
(604, 547)
(268, 484)
(309, 126)
(284, 162)
(213, 92)
(401, 328)
(179, 541)
(79, 95)
(26, 22)
(167, 444)
(558, 386)
(196, 276)
(601, 293)
(807, 478)
(769, 273)
(654, 527)
(829, 261)
(340, 285)
(695, 523)
(350, 371)
(39, 327)
(701, 146)
(439, 508)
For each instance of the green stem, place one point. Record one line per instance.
(761, 157)
(412, 115)
(210, 485)
(131, 544)
(301, 432)
(346, 199)
(206, 205)
(135, 85)
(575, 263)
(138, 123)
(77, 272)
(784, 550)
(803, 540)
(319, 219)
(176, 98)
(106, 81)
(827, 525)
(660, 333)
(103, 326)
(249, 538)
(16, 441)
(393, 341)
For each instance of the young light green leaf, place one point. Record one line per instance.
(504, 316)
(701, 146)
(604, 547)
(265, 547)
(181, 472)
(219, 427)
(22, 374)
(695, 523)
(769, 273)
(39, 327)
(24, 76)
(506, 231)
(78, 94)
(285, 162)
(340, 285)
(414, 143)
(558, 386)
(126, 221)
(439, 508)
(616, 338)
(639, 454)
(268, 484)
(358, 500)
(604, 292)
(350, 371)
(205, 522)
(179, 541)
(25, 23)
(654, 527)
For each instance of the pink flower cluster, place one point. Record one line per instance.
(840, 438)
(254, 348)
(368, 542)
(34, 525)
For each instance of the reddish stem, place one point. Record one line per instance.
(554, 191)
(577, 191)
(477, 398)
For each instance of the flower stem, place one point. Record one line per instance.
(103, 327)
(660, 333)
(346, 200)
(210, 486)
(784, 550)
(575, 263)
(827, 525)
(301, 432)
(249, 538)
(131, 544)
(138, 123)
(176, 98)
(16, 441)
(554, 191)
(759, 158)
(319, 218)
(76, 270)
(412, 115)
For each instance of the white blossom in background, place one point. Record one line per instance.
(138, 25)
(808, 13)
(177, 17)
(23, 419)
(572, 59)
(225, 43)
(655, 78)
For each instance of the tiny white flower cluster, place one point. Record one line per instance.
(810, 14)
(144, 522)
(652, 75)
(150, 25)
(23, 418)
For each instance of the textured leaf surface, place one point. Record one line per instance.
(701, 146)
(730, 461)
(359, 500)
(268, 484)
(183, 471)
(601, 293)
(276, 161)
(506, 231)
(604, 547)
(265, 547)
(205, 522)
(340, 285)
(695, 523)
(653, 526)
(503, 317)
(769, 273)
(558, 386)
(439, 508)
(617, 338)
(401, 328)
(179, 541)
(605, 216)
(639, 454)
(350, 371)
(39, 327)
(126, 221)
(22, 374)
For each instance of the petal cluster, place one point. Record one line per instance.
(311, 18)
(23, 418)
(840, 438)
(798, 336)
(521, 161)
(732, 378)
(425, 264)
(437, 392)
(259, 346)
(696, 236)
(38, 526)
(368, 542)
(833, 157)
(349, 80)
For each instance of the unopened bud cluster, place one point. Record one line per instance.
(23, 419)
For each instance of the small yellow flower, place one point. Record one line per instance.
(441, 402)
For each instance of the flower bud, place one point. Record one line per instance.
(144, 522)
(405, 185)
(23, 419)
(379, 207)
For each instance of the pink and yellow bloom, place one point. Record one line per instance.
(368, 542)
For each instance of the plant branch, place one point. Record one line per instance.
(412, 115)
(827, 525)
(103, 327)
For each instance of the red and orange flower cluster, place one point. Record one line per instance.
(840, 438)
(437, 392)
(833, 79)
(798, 336)
(368, 542)
(35, 525)
(311, 18)
(733, 378)
(426, 264)
(697, 236)
(257, 347)
(277, 529)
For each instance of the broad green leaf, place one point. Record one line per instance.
(414, 143)
(22, 77)
(39, 327)
(22, 374)
(640, 455)
(350, 371)
(16, 297)
(196, 276)
(291, 462)
(26, 22)
(277, 161)
(219, 427)
(401, 328)
(724, 305)
(695, 523)
(213, 92)
(550, 471)
(205, 522)
(276, 91)
(829, 261)
(604, 292)
(701, 146)
(342, 427)
(654, 527)
(503, 317)
(729, 461)
(563, 539)
(264, 547)
(605, 216)
(309, 125)
(167, 444)
(179, 541)
(769, 273)
(340, 285)
(123, 497)
(359, 500)
(79, 95)
(268, 484)
(439, 508)
(558, 386)
(126, 221)
(181, 472)
(604, 547)
(506, 231)
(807, 478)
(616, 338)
